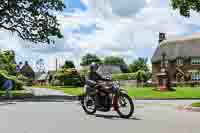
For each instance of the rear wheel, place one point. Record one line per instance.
(88, 104)
(125, 106)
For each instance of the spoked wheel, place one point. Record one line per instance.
(125, 106)
(88, 104)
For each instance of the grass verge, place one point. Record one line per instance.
(17, 94)
(141, 92)
(197, 104)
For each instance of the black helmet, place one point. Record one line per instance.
(93, 67)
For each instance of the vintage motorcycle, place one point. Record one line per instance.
(104, 99)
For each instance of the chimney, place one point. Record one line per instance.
(162, 37)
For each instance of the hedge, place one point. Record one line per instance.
(186, 84)
(124, 76)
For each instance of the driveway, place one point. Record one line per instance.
(68, 117)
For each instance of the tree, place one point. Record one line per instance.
(32, 20)
(89, 58)
(7, 61)
(68, 64)
(112, 60)
(185, 6)
(140, 76)
(27, 71)
(139, 64)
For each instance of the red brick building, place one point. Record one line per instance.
(182, 58)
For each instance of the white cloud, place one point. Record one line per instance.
(127, 28)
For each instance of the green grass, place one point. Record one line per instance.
(141, 92)
(16, 93)
(181, 92)
(196, 104)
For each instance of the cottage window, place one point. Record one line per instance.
(195, 76)
(179, 62)
(195, 61)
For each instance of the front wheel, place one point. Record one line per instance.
(88, 104)
(125, 106)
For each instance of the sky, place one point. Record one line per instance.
(125, 28)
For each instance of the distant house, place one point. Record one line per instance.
(41, 78)
(27, 71)
(182, 58)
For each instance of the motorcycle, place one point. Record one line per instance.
(105, 99)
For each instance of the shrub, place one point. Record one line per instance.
(186, 84)
(140, 76)
(18, 85)
(124, 76)
(83, 72)
(70, 77)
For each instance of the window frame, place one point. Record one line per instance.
(195, 76)
(179, 61)
(195, 61)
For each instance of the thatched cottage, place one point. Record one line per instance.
(182, 58)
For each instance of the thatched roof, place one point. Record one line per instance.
(184, 47)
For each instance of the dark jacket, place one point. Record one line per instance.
(93, 77)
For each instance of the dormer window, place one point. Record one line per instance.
(195, 61)
(179, 62)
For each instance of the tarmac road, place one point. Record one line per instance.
(68, 117)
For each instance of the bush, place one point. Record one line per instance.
(70, 77)
(140, 76)
(83, 72)
(186, 84)
(124, 76)
(18, 85)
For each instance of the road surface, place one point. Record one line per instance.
(45, 92)
(68, 117)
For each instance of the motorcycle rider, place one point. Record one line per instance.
(93, 78)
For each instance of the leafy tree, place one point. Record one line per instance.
(7, 61)
(27, 71)
(8, 69)
(140, 76)
(89, 58)
(68, 64)
(139, 64)
(32, 20)
(185, 6)
(112, 60)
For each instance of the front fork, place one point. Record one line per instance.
(115, 102)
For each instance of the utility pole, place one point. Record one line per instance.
(56, 63)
